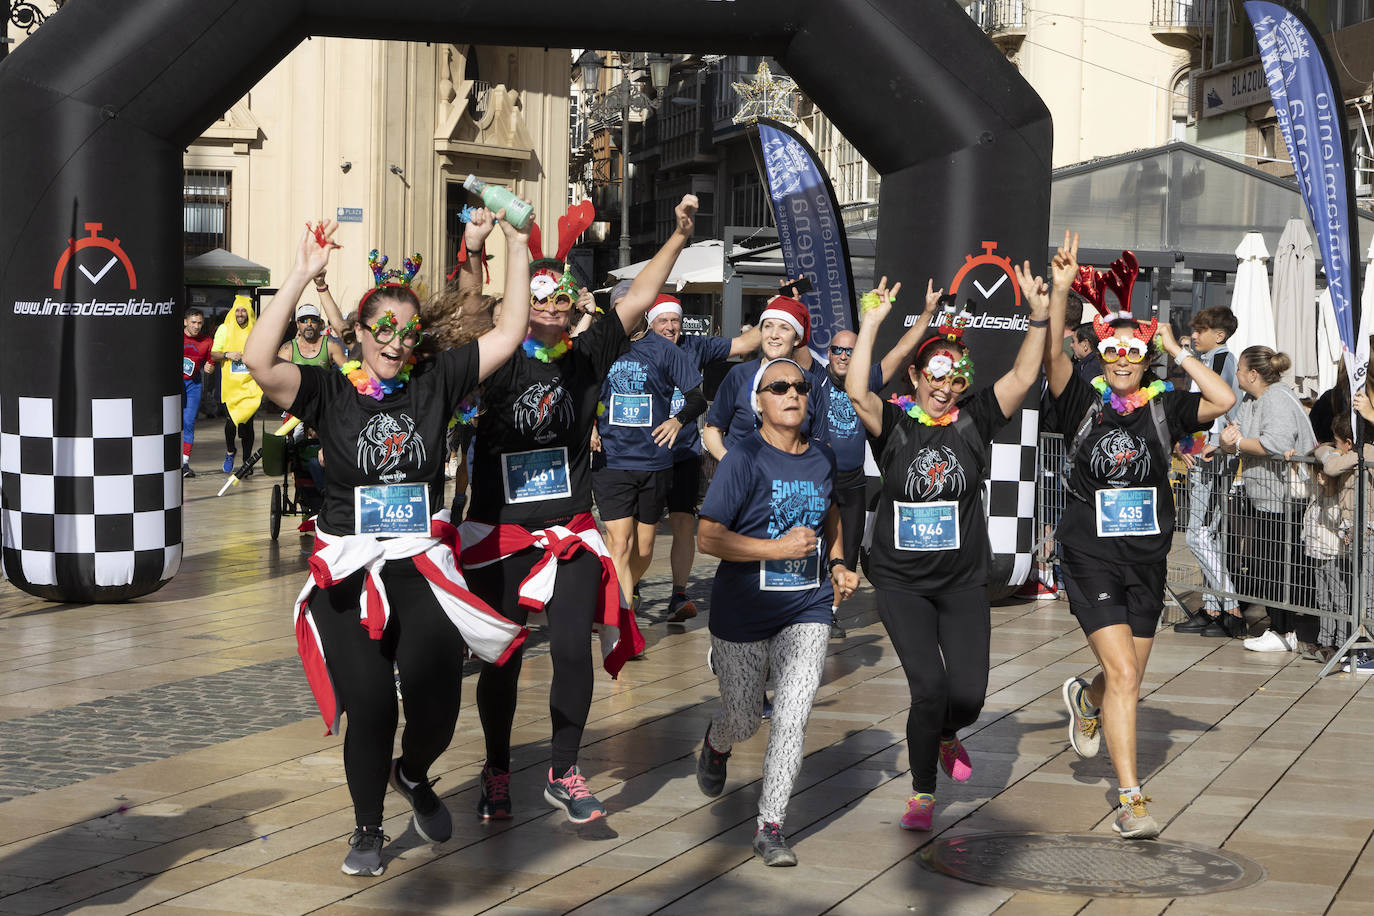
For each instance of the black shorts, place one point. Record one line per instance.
(684, 487)
(1100, 596)
(622, 493)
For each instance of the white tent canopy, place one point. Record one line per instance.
(700, 268)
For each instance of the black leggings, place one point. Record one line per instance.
(428, 651)
(943, 642)
(853, 509)
(245, 431)
(570, 613)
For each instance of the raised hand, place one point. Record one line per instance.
(517, 237)
(881, 299)
(686, 212)
(1167, 341)
(312, 257)
(1064, 265)
(586, 301)
(480, 223)
(796, 544)
(1033, 289)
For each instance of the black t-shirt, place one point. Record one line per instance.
(399, 439)
(1120, 452)
(927, 465)
(538, 417)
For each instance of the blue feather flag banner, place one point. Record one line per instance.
(1311, 117)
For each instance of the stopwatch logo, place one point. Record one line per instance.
(100, 266)
(997, 270)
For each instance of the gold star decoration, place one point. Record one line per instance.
(766, 96)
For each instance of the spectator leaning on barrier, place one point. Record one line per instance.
(1328, 529)
(1270, 427)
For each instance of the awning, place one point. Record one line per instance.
(221, 268)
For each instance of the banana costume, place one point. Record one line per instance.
(240, 394)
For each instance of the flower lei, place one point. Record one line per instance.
(1138, 398)
(913, 410)
(467, 411)
(1192, 444)
(535, 350)
(353, 371)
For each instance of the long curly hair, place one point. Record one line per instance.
(454, 317)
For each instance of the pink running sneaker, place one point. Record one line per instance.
(954, 760)
(919, 811)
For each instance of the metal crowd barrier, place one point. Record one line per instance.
(1229, 551)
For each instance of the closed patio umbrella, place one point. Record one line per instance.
(1295, 307)
(1253, 309)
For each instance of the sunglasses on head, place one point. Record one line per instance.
(1112, 349)
(781, 386)
(841, 351)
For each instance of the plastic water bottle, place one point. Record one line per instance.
(497, 198)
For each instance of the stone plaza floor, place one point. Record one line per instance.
(166, 754)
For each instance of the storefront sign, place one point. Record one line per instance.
(1238, 88)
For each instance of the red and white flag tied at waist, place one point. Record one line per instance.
(488, 635)
(486, 544)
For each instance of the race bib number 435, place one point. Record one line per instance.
(1129, 512)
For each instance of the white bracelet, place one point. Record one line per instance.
(1184, 353)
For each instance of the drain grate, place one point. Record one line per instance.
(1091, 865)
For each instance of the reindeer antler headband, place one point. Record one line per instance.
(1092, 285)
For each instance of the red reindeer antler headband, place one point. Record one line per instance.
(1092, 285)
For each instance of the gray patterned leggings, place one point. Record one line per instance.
(796, 655)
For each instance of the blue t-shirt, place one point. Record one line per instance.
(637, 393)
(732, 411)
(762, 492)
(702, 351)
(847, 433)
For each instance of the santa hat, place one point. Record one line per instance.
(664, 305)
(789, 310)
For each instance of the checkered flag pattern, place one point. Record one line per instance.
(92, 500)
(1011, 494)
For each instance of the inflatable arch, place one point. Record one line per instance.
(97, 106)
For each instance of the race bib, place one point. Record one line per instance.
(188, 367)
(1125, 513)
(676, 404)
(925, 526)
(236, 366)
(535, 475)
(791, 575)
(631, 410)
(391, 509)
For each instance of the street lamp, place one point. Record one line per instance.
(620, 100)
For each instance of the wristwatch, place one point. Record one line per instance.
(834, 561)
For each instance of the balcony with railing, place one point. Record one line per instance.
(1004, 21)
(1181, 23)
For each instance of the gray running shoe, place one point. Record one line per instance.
(771, 846)
(432, 820)
(1085, 733)
(365, 855)
(1133, 822)
(569, 793)
(710, 768)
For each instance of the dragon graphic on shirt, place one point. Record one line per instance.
(385, 442)
(935, 471)
(1120, 458)
(542, 411)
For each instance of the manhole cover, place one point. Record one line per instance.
(1091, 865)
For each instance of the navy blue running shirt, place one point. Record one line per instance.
(847, 433)
(763, 492)
(733, 413)
(702, 351)
(637, 395)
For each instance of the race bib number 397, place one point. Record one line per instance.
(790, 575)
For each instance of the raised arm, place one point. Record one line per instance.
(1217, 396)
(471, 273)
(1011, 388)
(645, 288)
(281, 379)
(332, 313)
(1063, 269)
(586, 310)
(901, 351)
(500, 343)
(868, 404)
(745, 343)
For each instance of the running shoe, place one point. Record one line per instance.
(186, 471)
(569, 793)
(954, 759)
(1133, 822)
(365, 853)
(432, 820)
(1269, 641)
(1195, 623)
(1364, 664)
(681, 608)
(493, 804)
(710, 768)
(229, 468)
(920, 810)
(836, 631)
(771, 846)
(1085, 734)
(767, 708)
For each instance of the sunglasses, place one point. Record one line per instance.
(1113, 349)
(556, 304)
(309, 319)
(841, 351)
(781, 386)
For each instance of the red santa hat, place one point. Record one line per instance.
(664, 305)
(791, 311)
